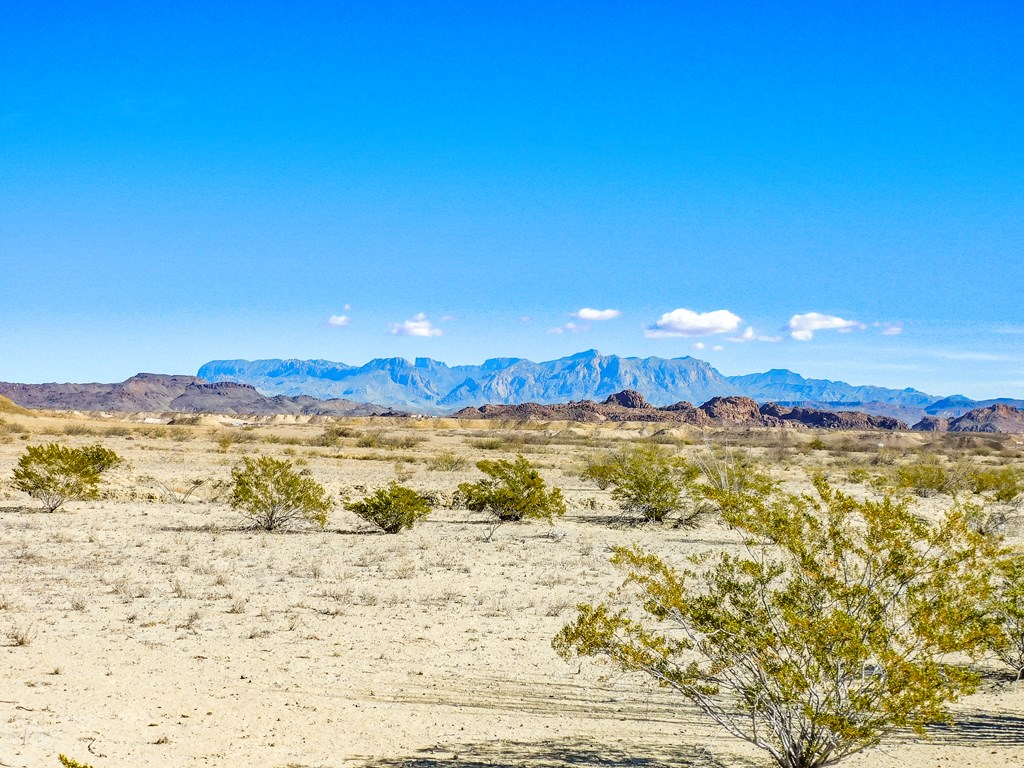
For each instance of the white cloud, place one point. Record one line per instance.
(597, 314)
(803, 327)
(685, 322)
(347, 307)
(571, 327)
(338, 321)
(717, 348)
(699, 345)
(750, 335)
(446, 318)
(892, 329)
(416, 326)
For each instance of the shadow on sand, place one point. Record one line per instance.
(556, 754)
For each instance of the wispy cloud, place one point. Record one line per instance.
(973, 357)
(570, 327)
(686, 322)
(751, 335)
(416, 326)
(597, 314)
(803, 327)
(891, 329)
(338, 321)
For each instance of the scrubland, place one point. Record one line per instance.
(150, 628)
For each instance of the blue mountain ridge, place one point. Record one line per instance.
(431, 386)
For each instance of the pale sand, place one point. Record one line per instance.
(161, 635)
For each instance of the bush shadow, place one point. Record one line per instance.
(557, 754)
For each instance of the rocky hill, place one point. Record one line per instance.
(630, 405)
(181, 394)
(994, 418)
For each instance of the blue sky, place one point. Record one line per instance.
(188, 181)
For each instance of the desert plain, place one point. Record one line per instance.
(151, 628)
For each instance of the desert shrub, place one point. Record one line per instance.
(830, 630)
(333, 434)
(514, 491)
(1007, 610)
(924, 478)
(55, 474)
(728, 480)
(392, 509)
(446, 461)
(68, 762)
(1004, 484)
(272, 496)
(646, 482)
(817, 444)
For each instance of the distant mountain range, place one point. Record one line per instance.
(584, 386)
(430, 386)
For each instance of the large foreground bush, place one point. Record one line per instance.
(830, 630)
(55, 474)
(272, 496)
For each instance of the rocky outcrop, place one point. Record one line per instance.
(628, 398)
(931, 424)
(995, 418)
(818, 419)
(719, 411)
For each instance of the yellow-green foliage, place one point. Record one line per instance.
(67, 762)
(1002, 483)
(446, 461)
(391, 509)
(272, 496)
(645, 480)
(515, 491)
(831, 630)
(55, 474)
(1008, 611)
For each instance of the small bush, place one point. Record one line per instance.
(515, 491)
(392, 509)
(446, 462)
(272, 496)
(1004, 484)
(55, 474)
(646, 482)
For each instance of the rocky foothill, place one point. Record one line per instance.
(630, 405)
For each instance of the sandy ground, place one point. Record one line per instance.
(159, 633)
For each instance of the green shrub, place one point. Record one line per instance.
(515, 491)
(392, 509)
(446, 461)
(645, 481)
(1007, 610)
(1003, 483)
(831, 630)
(55, 474)
(272, 496)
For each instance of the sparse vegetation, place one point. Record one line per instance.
(446, 461)
(56, 474)
(829, 632)
(514, 491)
(392, 509)
(272, 496)
(646, 481)
(1008, 613)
